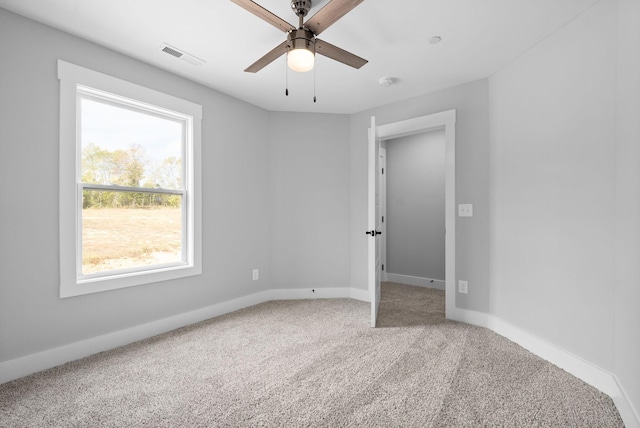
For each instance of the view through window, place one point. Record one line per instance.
(132, 185)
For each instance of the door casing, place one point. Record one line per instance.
(444, 120)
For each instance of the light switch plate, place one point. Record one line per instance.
(465, 210)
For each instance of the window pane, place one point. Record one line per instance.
(129, 147)
(123, 230)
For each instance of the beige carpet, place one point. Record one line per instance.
(310, 363)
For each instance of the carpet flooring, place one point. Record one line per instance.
(313, 363)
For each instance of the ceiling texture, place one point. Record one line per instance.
(478, 38)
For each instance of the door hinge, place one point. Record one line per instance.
(382, 267)
(383, 170)
(383, 219)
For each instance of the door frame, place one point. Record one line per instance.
(383, 211)
(444, 120)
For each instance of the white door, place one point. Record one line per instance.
(373, 234)
(382, 214)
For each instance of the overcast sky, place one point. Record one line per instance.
(112, 128)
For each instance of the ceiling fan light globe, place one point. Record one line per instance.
(300, 60)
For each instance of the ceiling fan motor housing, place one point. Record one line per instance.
(301, 7)
(301, 39)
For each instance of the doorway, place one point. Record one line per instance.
(443, 120)
(413, 223)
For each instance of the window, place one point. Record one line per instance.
(129, 184)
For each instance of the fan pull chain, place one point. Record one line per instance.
(314, 74)
(286, 74)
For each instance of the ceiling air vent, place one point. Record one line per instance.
(181, 54)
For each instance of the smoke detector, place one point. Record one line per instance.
(385, 82)
(193, 60)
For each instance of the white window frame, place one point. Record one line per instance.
(72, 282)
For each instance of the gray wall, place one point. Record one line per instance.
(309, 201)
(552, 177)
(471, 102)
(627, 202)
(415, 178)
(564, 190)
(235, 197)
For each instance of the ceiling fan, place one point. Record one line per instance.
(302, 43)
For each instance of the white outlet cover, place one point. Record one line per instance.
(465, 210)
(463, 287)
(256, 274)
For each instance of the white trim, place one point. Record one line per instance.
(71, 284)
(318, 293)
(383, 211)
(80, 75)
(416, 125)
(359, 294)
(446, 120)
(438, 284)
(629, 415)
(29, 364)
(593, 375)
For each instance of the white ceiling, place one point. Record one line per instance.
(478, 38)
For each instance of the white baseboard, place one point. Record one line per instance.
(33, 363)
(360, 294)
(318, 293)
(416, 280)
(629, 415)
(580, 368)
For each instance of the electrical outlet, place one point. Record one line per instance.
(256, 274)
(463, 287)
(465, 210)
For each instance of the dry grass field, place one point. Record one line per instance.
(116, 238)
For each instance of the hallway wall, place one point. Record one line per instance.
(415, 179)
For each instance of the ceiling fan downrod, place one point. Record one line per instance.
(301, 8)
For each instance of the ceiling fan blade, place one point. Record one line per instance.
(263, 13)
(268, 58)
(334, 52)
(329, 14)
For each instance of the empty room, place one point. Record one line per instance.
(216, 213)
